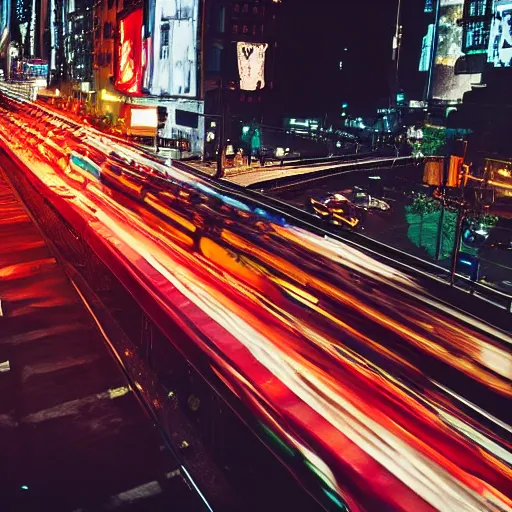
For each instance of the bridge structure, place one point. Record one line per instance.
(360, 378)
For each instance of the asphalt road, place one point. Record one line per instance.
(390, 227)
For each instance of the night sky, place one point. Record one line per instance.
(314, 35)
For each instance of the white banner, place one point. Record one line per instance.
(251, 65)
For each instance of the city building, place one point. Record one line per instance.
(204, 66)
(452, 48)
(78, 40)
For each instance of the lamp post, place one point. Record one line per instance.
(397, 43)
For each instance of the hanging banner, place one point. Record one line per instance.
(251, 65)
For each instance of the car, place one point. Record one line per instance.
(368, 202)
(335, 209)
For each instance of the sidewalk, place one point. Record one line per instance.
(72, 434)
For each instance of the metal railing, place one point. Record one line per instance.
(434, 277)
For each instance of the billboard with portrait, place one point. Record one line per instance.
(500, 40)
(171, 48)
(446, 84)
(129, 54)
(251, 65)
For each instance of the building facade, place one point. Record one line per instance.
(201, 63)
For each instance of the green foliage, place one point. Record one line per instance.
(434, 141)
(423, 217)
(486, 220)
(423, 205)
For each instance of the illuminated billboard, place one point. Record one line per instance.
(500, 40)
(143, 121)
(171, 48)
(251, 65)
(446, 85)
(129, 54)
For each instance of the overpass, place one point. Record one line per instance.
(350, 369)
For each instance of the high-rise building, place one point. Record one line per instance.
(79, 40)
(5, 19)
(239, 60)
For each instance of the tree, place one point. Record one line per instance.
(420, 207)
(434, 141)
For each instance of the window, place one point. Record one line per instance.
(477, 7)
(107, 30)
(214, 59)
(164, 42)
(221, 20)
(235, 29)
(476, 35)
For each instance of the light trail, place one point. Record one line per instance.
(389, 395)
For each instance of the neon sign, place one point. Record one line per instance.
(129, 62)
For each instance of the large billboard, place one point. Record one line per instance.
(171, 48)
(129, 54)
(500, 40)
(446, 85)
(251, 65)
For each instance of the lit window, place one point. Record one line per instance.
(477, 7)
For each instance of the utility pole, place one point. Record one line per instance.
(461, 217)
(397, 43)
(221, 133)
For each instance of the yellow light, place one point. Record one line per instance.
(157, 204)
(106, 96)
(296, 291)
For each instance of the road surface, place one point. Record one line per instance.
(382, 397)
